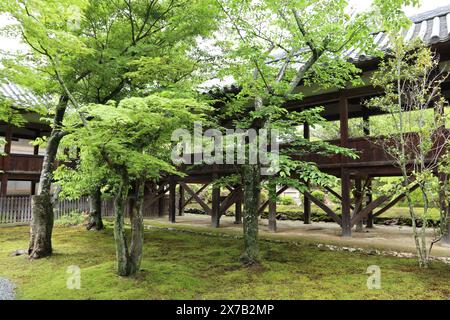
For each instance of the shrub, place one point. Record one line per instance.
(74, 218)
(264, 195)
(319, 194)
(286, 200)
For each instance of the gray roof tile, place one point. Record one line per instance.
(22, 97)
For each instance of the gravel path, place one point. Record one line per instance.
(6, 289)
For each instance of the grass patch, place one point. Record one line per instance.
(190, 266)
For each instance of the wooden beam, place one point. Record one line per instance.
(394, 201)
(266, 203)
(205, 207)
(360, 192)
(337, 195)
(325, 98)
(324, 207)
(160, 194)
(197, 193)
(233, 197)
(370, 207)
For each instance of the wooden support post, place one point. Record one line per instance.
(346, 218)
(439, 115)
(306, 201)
(272, 209)
(172, 201)
(366, 128)
(36, 147)
(369, 221)
(33, 188)
(238, 212)
(8, 138)
(180, 200)
(358, 202)
(366, 124)
(161, 206)
(345, 176)
(215, 207)
(446, 237)
(306, 208)
(6, 160)
(343, 119)
(4, 185)
(445, 210)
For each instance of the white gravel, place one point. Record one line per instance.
(6, 289)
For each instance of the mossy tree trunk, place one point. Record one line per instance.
(41, 227)
(129, 260)
(137, 230)
(95, 211)
(120, 238)
(252, 189)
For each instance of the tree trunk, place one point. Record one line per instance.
(42, 208)
(444, 205)
(272, 209)
(129, 261)
(252, 188)
(95, 211)
(41, 227)
(446, 237)
(119, 229)
(137, 231)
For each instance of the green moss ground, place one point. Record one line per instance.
(188, 266)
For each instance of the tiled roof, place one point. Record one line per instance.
(430, 27)
(20, 96)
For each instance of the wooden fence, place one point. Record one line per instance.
(17, 209)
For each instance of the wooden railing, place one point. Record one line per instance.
(367, 150)
(370, 151)
(21, 163)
